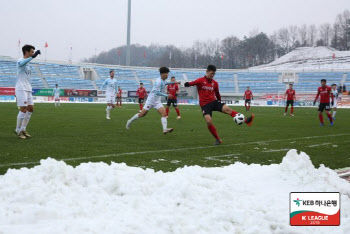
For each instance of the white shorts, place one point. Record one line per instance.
(152, 104)
(57, 97)
(335, 103)
(110, 99)
(24, 98)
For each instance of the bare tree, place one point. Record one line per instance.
(284, 38)
(293, 32)
(303, 35)
(325, 31)
(311, 34)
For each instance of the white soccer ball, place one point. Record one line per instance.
(239, 119)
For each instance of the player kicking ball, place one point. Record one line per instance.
(290, 94)
(56, 93)
(111, 89)
(154, 100)
(325, 93)
(210, 100)
(23, 91)
(336, 96)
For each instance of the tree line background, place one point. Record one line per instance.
(232, 52)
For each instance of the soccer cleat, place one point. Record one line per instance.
(107, 117)
(333, 118)
(128, 124)
(140, 111)
(285, 114)
(218, 142)
(331, 124)
(249, 121)
(291, 115)
(168, 130)
(21, 136)
(321, 124)
(179, 117)
(25, 133)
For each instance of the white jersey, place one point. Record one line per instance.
(335, 94)
(23, 75)
(56, 92)
(156, 93)
(111, 86)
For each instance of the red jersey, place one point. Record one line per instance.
(325, 93)
(290, 94)
(172, 90)
(248, 94)
(141, 92)
(119, 94)
(208, 90)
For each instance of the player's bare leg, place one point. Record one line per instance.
(143, 113)
(164, 120)
(232, 113)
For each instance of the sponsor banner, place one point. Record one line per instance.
(7, 98)
(188, 101)
(81, 99)
(80, 93)
(7, 91)
(51, 98)
(133, 94)
(314, 209)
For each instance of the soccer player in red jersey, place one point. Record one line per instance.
(290, 94)
(248, 96)
(141, 92)
(173, 91)
(210, 100)
(325, 93)
(119, 97)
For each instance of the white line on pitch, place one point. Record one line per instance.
(171, 150)
(320, 144)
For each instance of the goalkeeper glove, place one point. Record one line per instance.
(314, 103)
(332, 103)
(36, 53)
(187, 84)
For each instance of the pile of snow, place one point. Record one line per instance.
(310, 58)
(100, 198)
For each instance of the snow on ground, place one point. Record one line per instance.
(310, 58)
(100, 198)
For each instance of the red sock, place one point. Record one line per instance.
(249, 106)
(286, 109)
(245, 104)
(212, 129)
(234, 113)
(321, 118)
(167, 111)
(141, 106)
(177, 111)
(291, 110)
(330, 117)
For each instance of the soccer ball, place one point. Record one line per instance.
(239, 119)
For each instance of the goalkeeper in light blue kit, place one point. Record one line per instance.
(56, 94)
(111, 86)
(154, 100)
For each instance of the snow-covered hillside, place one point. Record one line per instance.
(310, 58)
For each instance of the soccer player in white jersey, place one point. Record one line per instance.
(23, 90)
(56, 94)
(336, 96)
(111, 90)
(154, 100)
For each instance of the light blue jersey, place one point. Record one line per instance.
(23, 75)
(111, 86)
(56, 92)
(157, 90)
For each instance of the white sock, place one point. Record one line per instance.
(21, 115)
(334, 112)
(108, 110)
(59, 103)
(135, 117)
(164, 123)
(26, 121)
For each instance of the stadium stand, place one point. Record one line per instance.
(46, 75)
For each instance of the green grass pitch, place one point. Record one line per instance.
(80, 133)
